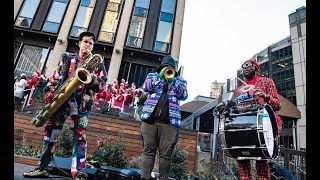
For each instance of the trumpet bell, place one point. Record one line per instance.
(169, 72)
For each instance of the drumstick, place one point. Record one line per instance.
(247, 84)
(242, 81)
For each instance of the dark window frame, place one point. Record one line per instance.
(62, 19)
(118, 24)
(35, 13)
(76, 15)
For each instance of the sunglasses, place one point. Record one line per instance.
(248, 64)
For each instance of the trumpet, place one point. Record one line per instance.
(169, 72)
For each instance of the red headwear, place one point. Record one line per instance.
(37, 74)
(256, 65)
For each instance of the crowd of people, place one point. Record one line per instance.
(28, 89)
(122, 96)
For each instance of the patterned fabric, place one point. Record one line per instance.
(244, 168)
(267, 86)
(78, 107)
(262, 167)
(177, 90)
(263, 170)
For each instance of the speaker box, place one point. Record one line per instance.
(113, 173)
(62, 167)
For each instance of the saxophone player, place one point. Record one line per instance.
(78, 107)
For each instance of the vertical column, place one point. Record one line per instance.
(59, 47)
(16, 7)
(119, 42)
(177, 32)
(298, 43)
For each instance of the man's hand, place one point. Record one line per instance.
(260, 93)
(171, 79)
(162, 72)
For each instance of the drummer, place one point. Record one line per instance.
(266, 90)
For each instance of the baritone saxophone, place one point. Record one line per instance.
(62, 94)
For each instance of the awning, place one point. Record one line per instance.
(288, 109)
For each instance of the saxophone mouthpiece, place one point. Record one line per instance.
(88, 53)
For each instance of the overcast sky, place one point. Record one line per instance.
(219, 35)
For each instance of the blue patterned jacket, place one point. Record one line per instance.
(177, 90)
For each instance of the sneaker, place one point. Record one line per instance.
(37, 173)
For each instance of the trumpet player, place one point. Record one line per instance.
(78, 107)
(161, 116)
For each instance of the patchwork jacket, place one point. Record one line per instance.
(177, 91)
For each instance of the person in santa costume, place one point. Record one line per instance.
(127, 100)
(118, 99)
(31, 86)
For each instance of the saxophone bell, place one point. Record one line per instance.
(83, 75)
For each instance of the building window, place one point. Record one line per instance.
(110, 21)
(292, 18)
(83, 17)
(138, 23)
(16, 49)
(163, 39)
(302, 14)
(27, 13)
(55, 16)
(31, 59)
(134, 73)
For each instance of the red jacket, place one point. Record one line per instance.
(267, 86)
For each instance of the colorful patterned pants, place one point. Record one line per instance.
(51, 133)
(262, 167)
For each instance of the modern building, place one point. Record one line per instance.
(132, 35)
(216, 89)
(297, 22)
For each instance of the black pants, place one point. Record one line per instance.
(158, 136)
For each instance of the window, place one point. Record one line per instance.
(16, 49)
(283, 75)
(31, 59)
(302, 14)
(281, 54)
(286, 51)
(292, 18)
(110, 21)
(138, 23)
(277, 54)
(83, 17)
(163, 39)
(55, 16)
(134, 73)
(27, 13)
(273, 55)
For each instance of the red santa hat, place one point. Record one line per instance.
(37, 74)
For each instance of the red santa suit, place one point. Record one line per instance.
(127, 101)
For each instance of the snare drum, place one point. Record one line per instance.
(250, 135)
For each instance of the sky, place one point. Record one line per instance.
(219, 35)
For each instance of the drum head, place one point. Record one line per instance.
(268, 132)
